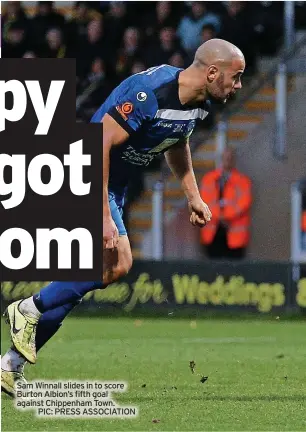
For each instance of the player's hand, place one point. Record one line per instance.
(200, 213)
(110, 233)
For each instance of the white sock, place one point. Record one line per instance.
(13, 361)
(28, 307)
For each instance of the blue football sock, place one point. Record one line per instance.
(62, 293)
(50, 322)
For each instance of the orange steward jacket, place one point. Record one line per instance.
(237, 200)
(304, 221)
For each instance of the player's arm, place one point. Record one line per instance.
(178, 158)
(113, 135)
(123, 119)
(179, 161)
(121, 122)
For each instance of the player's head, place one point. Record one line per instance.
(222, 65)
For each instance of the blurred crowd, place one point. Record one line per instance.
(111, 40)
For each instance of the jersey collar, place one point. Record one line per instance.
(205, 105)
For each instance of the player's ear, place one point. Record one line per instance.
(212, 73)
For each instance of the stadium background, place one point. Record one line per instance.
(111, 40)
(255, 365)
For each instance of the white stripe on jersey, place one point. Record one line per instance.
(171, 114)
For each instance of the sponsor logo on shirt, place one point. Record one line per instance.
(136, 158)
(125, 109)
(164, 124)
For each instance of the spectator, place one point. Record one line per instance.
(228, 195)
(163, 16)
(268, 19)
(190, 27)
(137, 67)
(29, 54)
(131, 41)
(129, 52)
(208, 32)
(15, 44)
(164, 50)
(238, 27)
(45, 19)
(13, 15)
(55, 46)
(116, 22)
(177, 60)
(92, 46)
(77, 26)
(95, 86)
(97, 70)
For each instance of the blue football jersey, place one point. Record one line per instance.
(147, 106)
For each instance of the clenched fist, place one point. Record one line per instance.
(200, 213)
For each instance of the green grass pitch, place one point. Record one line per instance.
(256, 373)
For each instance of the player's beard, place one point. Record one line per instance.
(217, 95)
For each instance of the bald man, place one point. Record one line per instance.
(147, 115)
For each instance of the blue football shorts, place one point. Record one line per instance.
(116, 207)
